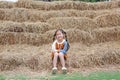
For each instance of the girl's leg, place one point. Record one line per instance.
(64, 69)
(61, 56)
(55, 59)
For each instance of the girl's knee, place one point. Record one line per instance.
(56, 54)
(61, 54)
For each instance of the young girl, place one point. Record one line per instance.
(60, 47)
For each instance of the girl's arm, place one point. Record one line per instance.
(54, 47)
(64, 50)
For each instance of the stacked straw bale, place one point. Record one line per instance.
(81, 23)
(67, 5)
(6, 4)
(108, 20)
(106, 34)
(22, 14)
(99, 58)
(38, 27)
(35, 61)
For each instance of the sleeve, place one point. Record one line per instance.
(64, 50)
(54, 47)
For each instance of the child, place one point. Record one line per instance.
(59, 48)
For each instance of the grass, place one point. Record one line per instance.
(73, 76)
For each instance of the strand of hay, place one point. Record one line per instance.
(106, 34)
(108, 20)
(38, 27)
(81, 23)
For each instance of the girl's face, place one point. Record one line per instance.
(59, 36)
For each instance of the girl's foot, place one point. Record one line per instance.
(64, 70)
(54, 70)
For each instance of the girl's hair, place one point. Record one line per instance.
(63, 32)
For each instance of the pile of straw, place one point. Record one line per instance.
(81, 23)
(67, 5)
(22, 14)
(38, 58)
(6, 4)
(108, 20)
(106, 34)
(55, 5)
(99, 58)
(38, 27)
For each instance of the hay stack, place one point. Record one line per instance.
(76, 35)
(108, 20)
(21, 38)
(38, 27)
(51, 5)
(67, 5)
(103, 5)
(67, 13)
(81, 23)
(20, 15)
(6, 4)
(106, 34)
(2, 14)
(100, 57)
(32, 57)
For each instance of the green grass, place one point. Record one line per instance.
(73, 76)
(92, 76)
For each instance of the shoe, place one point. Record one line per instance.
(64, 70)
(54, 70)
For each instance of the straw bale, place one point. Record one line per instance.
(20, 15)
(76, 35)
(38, 27)
(32, 57)
(4, 4)
(81, 23)
(106, 34)
(58, 5)
(20, 38)
(51, 5)
(103, 5)
(108, 20)
(100, 57)
(2, 14)
(67, 13)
